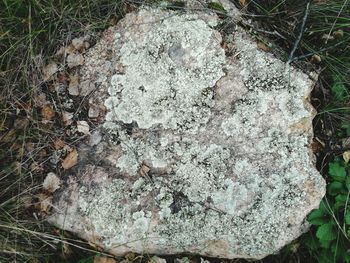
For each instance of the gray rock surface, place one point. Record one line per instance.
(205, 147)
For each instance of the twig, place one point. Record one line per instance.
(335, 21)
(319, 51)
(301, 32)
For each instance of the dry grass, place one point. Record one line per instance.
(31, 31)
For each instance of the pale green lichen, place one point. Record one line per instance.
(167, 74)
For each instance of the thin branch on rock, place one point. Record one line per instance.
(301, 32)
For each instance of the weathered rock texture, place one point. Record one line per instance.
(205, 144)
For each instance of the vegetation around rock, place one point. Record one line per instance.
(32, 126)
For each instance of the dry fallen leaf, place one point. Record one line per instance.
(86, 87)
(94, 111)
(47, 112)
(102, 259)
(263, 46)
(61, 51)
(59, 144)
(66, 250)
(73, 88)
(45, 203)
(243, 3)
(346, 156)
(49, 70)
(21, 123)
(144, 169)
(83, 127)
(70, 160)
(51, 182)
(40, 100)
(26, 200)
(67, 118)
(75, 59)
(78, 43)
(36, 167)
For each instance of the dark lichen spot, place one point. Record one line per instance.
(180, 201)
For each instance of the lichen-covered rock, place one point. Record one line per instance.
(205, 144)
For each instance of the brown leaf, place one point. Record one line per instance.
(103, 259)
(47, 112)
(70, 160)
(243, 3)
(263, 46)
(63, 79)
(40, 100)
(36, 167)
(59, 144)
(21, 123)
(144, 169)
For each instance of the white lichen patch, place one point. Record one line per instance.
(203, 152)
(170, 69)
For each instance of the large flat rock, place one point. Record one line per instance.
(205, 146)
